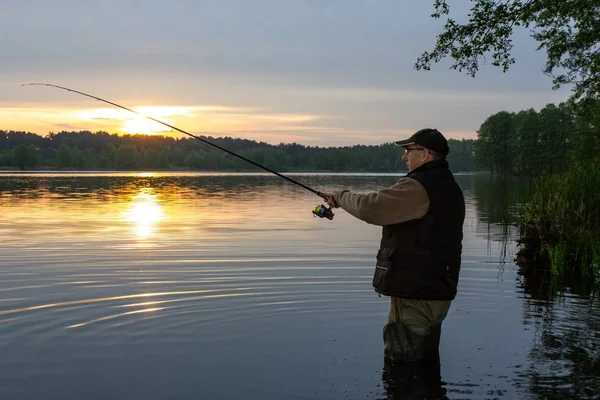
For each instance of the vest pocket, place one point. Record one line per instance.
(384, 270)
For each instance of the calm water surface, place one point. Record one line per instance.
(207, 286)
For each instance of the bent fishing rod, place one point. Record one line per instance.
(320, 211)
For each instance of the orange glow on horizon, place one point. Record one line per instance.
(212, 120)
(225, 120)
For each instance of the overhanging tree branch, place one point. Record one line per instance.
(569, 31)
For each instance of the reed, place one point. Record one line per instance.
(563, 217)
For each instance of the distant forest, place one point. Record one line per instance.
(533, 143)
(103, 151)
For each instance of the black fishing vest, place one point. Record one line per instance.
(420, 259)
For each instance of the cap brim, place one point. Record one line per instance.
(404, 143)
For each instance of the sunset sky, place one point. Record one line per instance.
(315, 72)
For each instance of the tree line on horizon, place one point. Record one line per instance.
(533, 143)
(85, 150)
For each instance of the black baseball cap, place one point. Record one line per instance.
(429, 138)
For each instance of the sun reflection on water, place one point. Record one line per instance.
(144, 213)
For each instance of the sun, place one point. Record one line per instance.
(127, 122)
(137, 124)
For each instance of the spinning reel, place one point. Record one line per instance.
(323, 212)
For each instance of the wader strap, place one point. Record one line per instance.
(396, 308)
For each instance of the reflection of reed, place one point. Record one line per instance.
(565, 357)
(498, 201)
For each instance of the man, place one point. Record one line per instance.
(418, 261)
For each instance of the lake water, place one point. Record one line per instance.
(216, 286)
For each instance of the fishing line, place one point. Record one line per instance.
(320, 211)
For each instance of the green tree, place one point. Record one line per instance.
(78, 159)
(461, 156)
(555, 123)
(108, 156)
(226, 161)
(63, 158)
(212, 160)
(272, 162)
(162, 160)
(177, 156)
(254, 154)
(569, 31)
(320, 161)
(126, 157)
(5, 158)
(525, 144)
(494, 136)
(34, 156)
(20, 156)
(584, 139)
(195, 159)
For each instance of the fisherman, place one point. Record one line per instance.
(419, 258)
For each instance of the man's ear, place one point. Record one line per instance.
(427, 154)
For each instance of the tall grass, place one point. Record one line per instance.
(563, 217)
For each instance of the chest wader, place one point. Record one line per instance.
(413, 330)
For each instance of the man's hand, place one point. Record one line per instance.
(328, 197)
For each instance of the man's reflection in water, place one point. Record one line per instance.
(415, 380)
(412, 363)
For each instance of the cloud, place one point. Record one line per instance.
(345, 66)
(67, 127)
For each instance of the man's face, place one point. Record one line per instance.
(415, 156)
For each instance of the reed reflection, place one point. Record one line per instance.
(565, 356)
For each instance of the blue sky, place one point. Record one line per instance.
(327, 73)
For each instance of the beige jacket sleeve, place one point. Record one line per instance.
(404, 201)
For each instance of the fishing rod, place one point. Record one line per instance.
(319, 211)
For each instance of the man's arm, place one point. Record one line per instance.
(402, 202)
